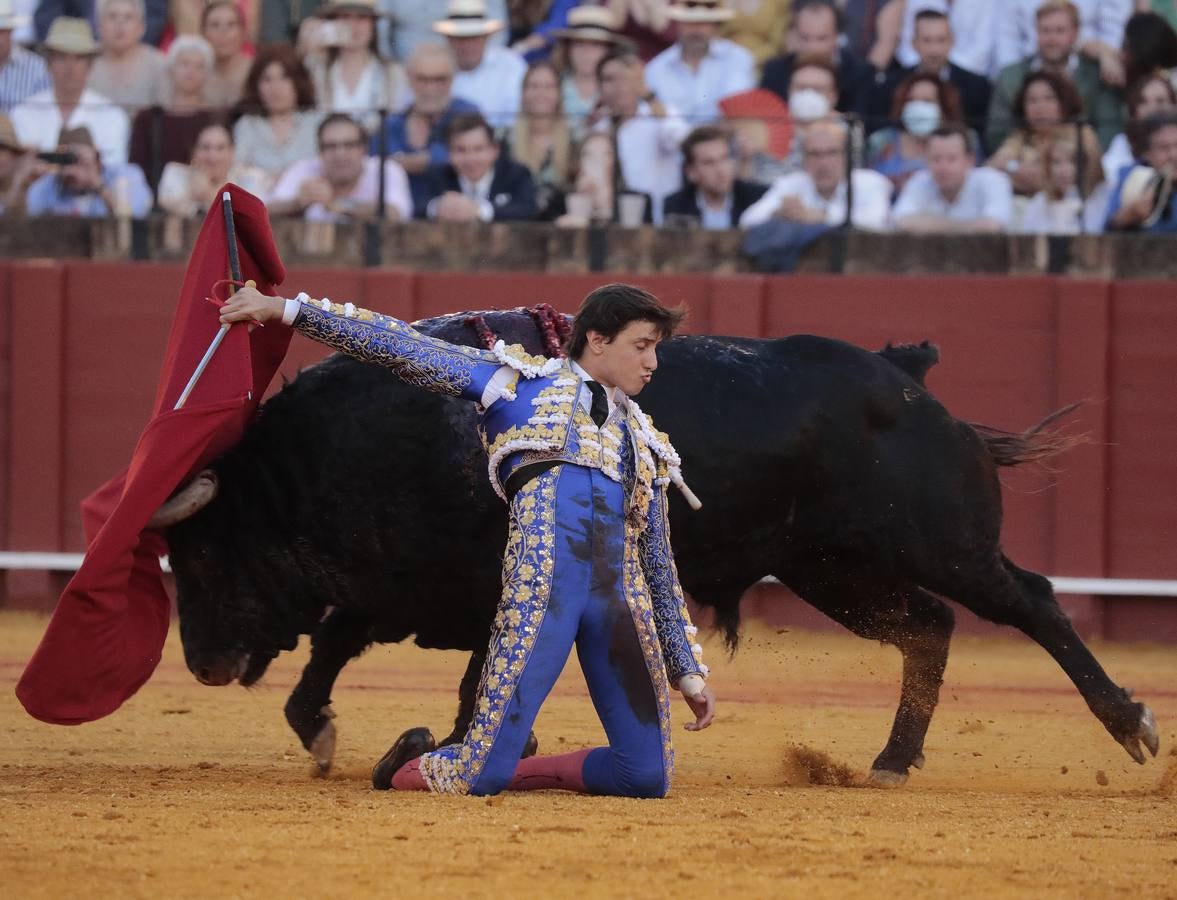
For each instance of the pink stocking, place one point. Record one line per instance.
(564, 772)
(408, 777)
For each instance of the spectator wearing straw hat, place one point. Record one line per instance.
(701, 68)
(410, 24)
(22, 73)
(16, 170)
(48, 11)
(70, 49)
(590, 34)
(349, 74)
(489, 77)
(127, 71)
(85, 186)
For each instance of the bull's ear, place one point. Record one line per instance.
(186, 502)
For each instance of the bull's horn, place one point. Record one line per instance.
(192, 498)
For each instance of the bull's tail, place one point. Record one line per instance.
(1035, 445)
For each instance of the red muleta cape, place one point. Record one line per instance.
(108, 629)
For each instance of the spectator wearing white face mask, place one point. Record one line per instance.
(813, 91)
(922, 103)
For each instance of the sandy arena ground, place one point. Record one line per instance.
(190, 791)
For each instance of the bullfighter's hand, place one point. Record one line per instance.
(702, 705)
(251, 305)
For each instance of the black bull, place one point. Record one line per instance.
(357, 509)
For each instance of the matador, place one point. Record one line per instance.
(588, 560)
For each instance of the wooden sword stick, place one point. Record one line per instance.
(235, 274)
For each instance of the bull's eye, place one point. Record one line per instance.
(201, 554)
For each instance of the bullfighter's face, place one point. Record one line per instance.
(627, 360)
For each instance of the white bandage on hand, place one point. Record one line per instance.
(692, 685)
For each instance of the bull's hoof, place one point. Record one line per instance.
(885, 778)
(1146, 734)
(408, 746)
(531, 747)
(322, 746)
(919, 760)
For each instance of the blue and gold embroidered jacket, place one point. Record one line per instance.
(538, 420)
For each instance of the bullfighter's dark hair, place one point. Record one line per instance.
(611, 307)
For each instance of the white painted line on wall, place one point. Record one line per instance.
(1108, 587)
(51, 562)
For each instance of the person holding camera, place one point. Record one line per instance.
(79, 184)
(348, 74)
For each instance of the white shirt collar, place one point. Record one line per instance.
(481, 187)
(613, 395)
(710, 54)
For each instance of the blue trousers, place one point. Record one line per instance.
(571, 576)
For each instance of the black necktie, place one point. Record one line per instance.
(600, 408)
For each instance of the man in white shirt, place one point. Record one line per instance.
(701, 68)
(952, 194)
(648, 134)
(39, 120)
(489, 77)
(343, 182)
(817, 193)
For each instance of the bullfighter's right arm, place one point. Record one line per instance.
(416, 358)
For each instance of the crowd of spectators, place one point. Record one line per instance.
(929, 116)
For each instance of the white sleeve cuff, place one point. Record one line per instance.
(691, 685)
(496, 387)
(291, 310)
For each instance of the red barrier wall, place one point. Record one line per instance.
(81, 344)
